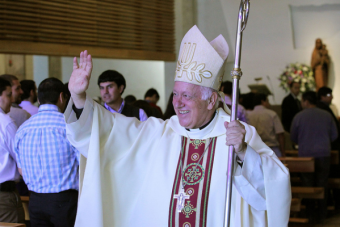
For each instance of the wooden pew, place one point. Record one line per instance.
(334, 155)
(25, 200)
(4, 224)
(298, 220)
(295, 205)
(334, 183)
(299, 164)
(308, 192)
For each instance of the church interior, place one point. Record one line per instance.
(141, 40)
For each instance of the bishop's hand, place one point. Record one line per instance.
(80, 79)
(235, 136)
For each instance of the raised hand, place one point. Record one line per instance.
(235, 136)
(80, 79)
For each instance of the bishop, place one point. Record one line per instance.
(125, 164)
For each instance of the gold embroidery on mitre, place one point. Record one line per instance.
(185, 65)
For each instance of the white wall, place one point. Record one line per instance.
(268, 46)
(139, 76)
(40, 68)
(268, 39)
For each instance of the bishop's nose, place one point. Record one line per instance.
(177, 102)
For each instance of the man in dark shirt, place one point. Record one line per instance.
(290, 106)
(151, 96)
(313, 130)
(325, 99)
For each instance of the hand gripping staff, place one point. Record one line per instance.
(236, 74)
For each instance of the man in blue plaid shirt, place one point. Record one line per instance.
(48, 162)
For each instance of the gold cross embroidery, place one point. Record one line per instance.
(197, 143)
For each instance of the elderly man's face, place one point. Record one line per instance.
(192, 111)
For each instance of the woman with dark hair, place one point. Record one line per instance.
(169, 112)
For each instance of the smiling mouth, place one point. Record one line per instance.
(183, 111)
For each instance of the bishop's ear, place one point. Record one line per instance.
(212, 100)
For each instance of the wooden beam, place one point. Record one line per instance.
(18, 47)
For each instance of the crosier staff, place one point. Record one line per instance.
(236, 74)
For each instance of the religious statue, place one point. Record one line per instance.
(320, 64)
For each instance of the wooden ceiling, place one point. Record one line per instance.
(130, 29)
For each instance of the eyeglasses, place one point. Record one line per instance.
(329, 95)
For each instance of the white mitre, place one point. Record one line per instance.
(201, 62)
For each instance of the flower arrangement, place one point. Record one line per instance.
(298, 73)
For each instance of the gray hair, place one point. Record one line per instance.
(206, 92)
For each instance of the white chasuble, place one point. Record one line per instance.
(132, 173)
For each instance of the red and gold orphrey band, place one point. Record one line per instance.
(197, 183)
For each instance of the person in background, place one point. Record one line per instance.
(247, 101)
(149, 110)
(170, 111)
(112, 85)
(152, 97)
(228, 90)
(67, 93)
(29, 96)
(325, 98)
(313, 129)
(47, 160)
(17, 113)
(267, 124)
(130, 99)
(11, 209)
(291, 105)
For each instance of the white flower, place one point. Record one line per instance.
(303, 89)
